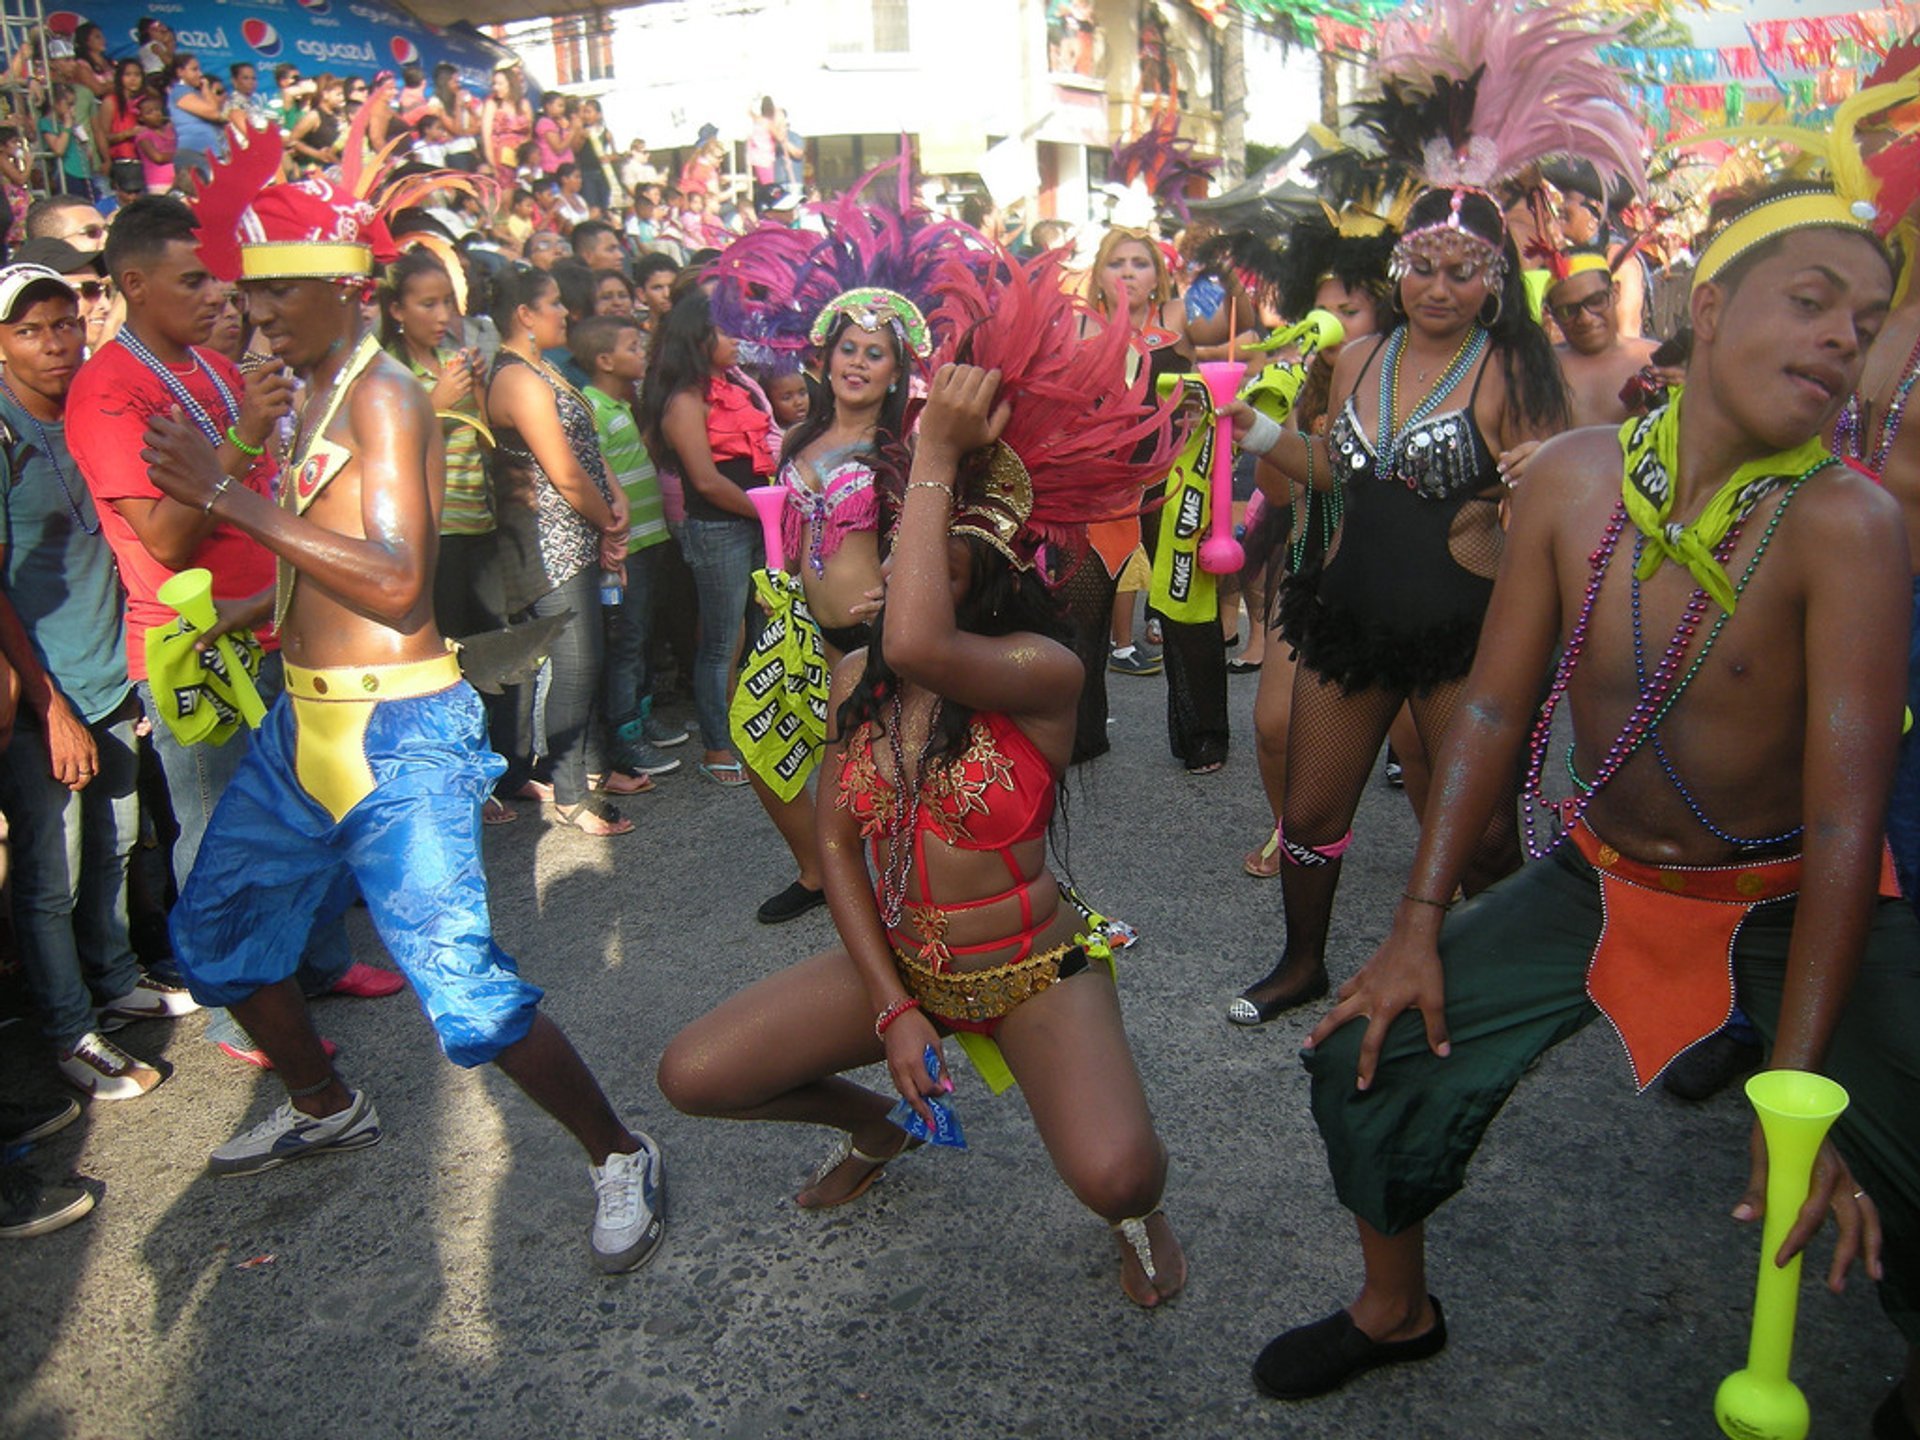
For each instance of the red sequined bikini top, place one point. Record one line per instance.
(997, 793)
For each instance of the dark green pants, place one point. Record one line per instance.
(1516, 963)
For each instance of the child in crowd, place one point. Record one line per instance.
(789, 396)
(608, 348)
(156, 143)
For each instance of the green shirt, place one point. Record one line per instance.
(630, 466)
(468, 506)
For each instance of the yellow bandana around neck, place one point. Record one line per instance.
(1651, 449)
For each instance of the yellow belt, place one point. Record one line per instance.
(331, 710)
(375, 682)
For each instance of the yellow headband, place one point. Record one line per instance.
(305, 260)
(1581, 264)
(1822, 210)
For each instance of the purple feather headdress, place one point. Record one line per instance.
(773, 285)
(1162, 162)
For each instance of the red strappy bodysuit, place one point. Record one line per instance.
(998, 793)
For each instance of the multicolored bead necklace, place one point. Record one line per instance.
(1850, 431)
(1658, 693)
(1386, 435)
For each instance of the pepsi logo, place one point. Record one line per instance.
(64, 22)
(405, 52)
(264, 39)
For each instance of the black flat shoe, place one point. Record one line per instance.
(1318, 1358)
(1245, 1010)
(790, 904)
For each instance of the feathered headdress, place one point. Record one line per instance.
(1157, 167)
(1854, 187)
(1472, 94)
(779, 290)
(330, 226)
(1498, 87)
(1083, 438)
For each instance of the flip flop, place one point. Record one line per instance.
(494, 812)
(1264, 863)
(1242, 667)
(726, 774)
(620, 782)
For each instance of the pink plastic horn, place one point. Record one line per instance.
(1220, 553)
(768, 501)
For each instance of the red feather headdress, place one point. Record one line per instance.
(1083, 439)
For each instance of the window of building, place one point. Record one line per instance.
(566, 52)
(600, 51)
(868, 27)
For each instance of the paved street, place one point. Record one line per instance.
(439, 1284)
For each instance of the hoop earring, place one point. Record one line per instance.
(1499, 304)
(1394, 302)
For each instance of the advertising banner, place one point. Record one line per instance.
(345, 37)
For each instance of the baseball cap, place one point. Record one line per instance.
(18, 284)
(57, 256)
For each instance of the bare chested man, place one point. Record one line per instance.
(372, 767)
(1756, 796)
(1596, 361)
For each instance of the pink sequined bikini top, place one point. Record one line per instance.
(815, 522)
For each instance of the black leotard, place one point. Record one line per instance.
(1392, 607)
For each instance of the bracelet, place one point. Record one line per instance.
(899, 1007)
(218, 491)
(1262, 435)
(1422, 900)
(946, 490)
(252, 452)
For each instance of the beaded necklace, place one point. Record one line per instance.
(215, 433)
(1330, 506)
(53, 459)
(1386, 435)
(1657, 695)
(1851, 430)
(1660, 750)
(900, 810)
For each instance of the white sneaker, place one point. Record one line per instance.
(105, 1071)
(628, 1222)
(149, 999)
(289, 1134)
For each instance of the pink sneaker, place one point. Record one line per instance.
(258, 1058)
(367, 982)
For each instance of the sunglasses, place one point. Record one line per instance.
(1595, 305)
(91, 290)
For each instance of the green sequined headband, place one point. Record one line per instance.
(872, 308)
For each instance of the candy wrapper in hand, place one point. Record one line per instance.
(946, 1124)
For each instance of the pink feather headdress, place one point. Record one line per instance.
(1526, 83)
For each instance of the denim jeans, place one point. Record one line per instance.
(573, 693)
(197, 776)
(723, 555)
(629, 682)
(70, 871)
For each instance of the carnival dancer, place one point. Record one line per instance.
(1421, 415)
(1723, 594)
(1334, 261)
(953, 730)
(855, 298)
(372, 768)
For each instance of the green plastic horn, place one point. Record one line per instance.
(1796, 1109)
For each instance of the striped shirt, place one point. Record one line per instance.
(630, 466)
(468, 506)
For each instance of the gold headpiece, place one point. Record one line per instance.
(996, 507)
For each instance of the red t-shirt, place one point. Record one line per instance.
(107, 410)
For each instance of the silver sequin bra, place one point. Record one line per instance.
(1440, 458)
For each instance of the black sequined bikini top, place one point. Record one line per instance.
(1441, 458)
